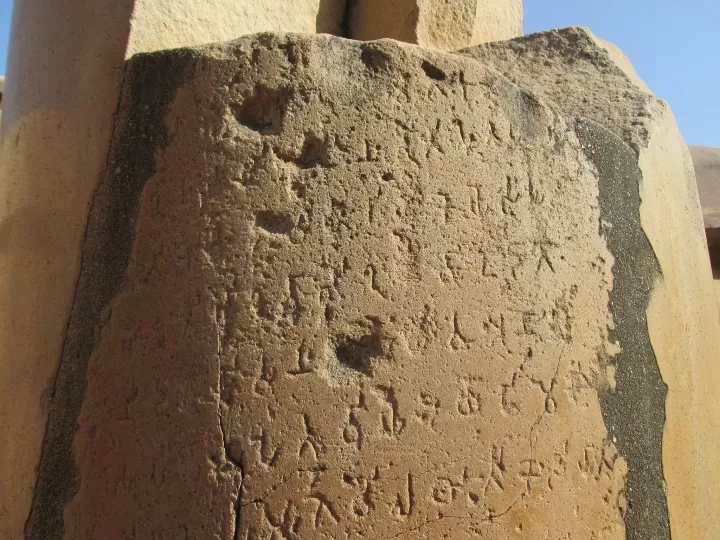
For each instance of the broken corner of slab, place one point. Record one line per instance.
(588, 78)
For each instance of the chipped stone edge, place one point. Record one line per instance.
(149, 86)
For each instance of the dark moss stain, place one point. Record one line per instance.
(150, 84)
(634, 412)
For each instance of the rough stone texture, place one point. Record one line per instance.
(58, 116)
(436, 23)
(586, 77)
(357, 291)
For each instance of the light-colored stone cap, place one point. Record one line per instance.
(436, 23)
(166, 24)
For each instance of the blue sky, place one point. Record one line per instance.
(673, 44)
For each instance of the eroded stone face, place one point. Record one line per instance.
(436, 23)
(367, 297)
(587, 77)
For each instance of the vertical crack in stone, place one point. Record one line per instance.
(237, 532)
(228, 458)
(140, 131)
(634, 412)
(235, 463)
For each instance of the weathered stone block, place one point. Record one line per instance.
(333, 289)
(587, 77)
(436, 23)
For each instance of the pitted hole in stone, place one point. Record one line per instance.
(262, 111)
(433, 72)
(359, 353)
(374, 59)
(274, 222)
(313, 153)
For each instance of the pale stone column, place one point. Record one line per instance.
(588, 77)
(65, 70)
(436, 23)
(64, 74)
(349, 290)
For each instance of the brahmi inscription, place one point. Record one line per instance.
(378, 308)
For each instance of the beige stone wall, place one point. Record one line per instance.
(65, 70)
(436, 23)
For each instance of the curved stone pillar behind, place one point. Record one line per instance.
(344, 290)
(65, 70)
(436, 24)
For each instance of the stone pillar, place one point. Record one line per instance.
(587, 77)
(336, 289)
(65, 69)
(436, 23)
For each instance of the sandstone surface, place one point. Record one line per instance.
(65, 69)
(334, 289)
(588, 78)
(165, 24)
(436, 23)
